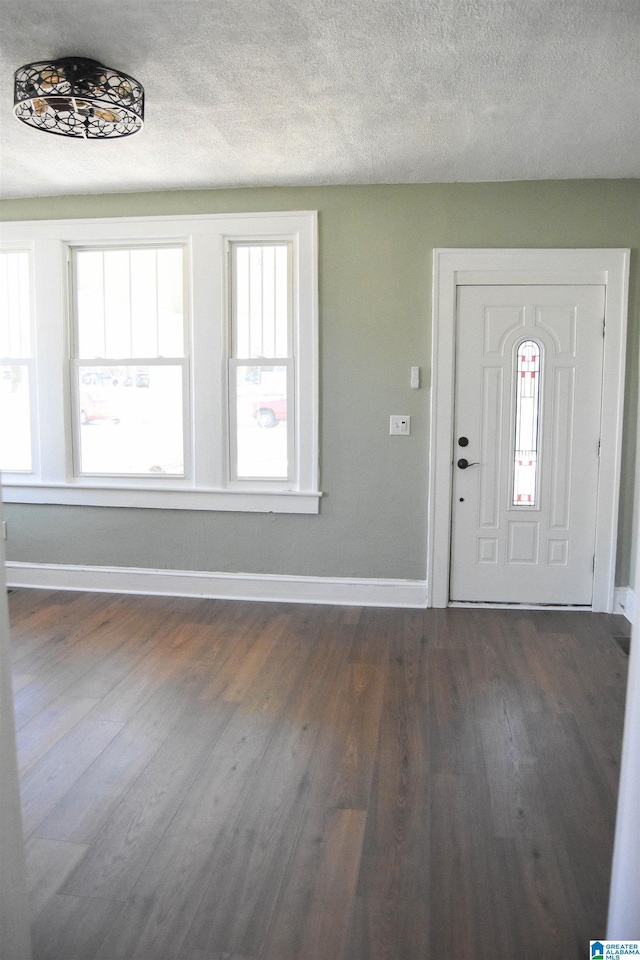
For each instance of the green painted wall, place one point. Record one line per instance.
(376, 247)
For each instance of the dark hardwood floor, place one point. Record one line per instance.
(214, 779)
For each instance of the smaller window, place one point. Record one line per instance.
(16, 373)
(261, 364)
(525, 477)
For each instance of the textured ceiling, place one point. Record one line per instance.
(256, 92)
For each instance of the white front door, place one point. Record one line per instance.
(528, 395)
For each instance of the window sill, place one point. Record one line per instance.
(239, 501)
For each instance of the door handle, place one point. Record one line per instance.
(463, 464)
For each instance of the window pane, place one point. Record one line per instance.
(15, 418)
(14, 304)
(170, 303)
(117, 303)
(90, 306)
(526, 439)
(131, 420)
(130, 302)
(261, 422)
(144, 303)
(261, 300)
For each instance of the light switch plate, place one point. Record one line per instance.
(399, 425)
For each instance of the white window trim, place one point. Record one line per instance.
(206, 485)
(455, 267)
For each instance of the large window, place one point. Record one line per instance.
(129, 368)
(175, 362)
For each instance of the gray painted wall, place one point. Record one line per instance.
(376, 247)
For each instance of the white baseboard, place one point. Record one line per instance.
(219, 586)
(624, 602)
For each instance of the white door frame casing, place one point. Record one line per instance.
(456, 267)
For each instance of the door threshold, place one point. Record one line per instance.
(486, 605)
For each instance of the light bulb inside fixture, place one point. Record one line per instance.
(49, 79)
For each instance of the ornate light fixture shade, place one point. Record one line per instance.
(76, 97)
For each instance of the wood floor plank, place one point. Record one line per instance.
(265, 697)
(593, 694)
(173, 651)
(454, 735)
(86, 629)
(44, 690)
(604, 719)
(72, 653)
(39, 735)
(81, 813)
(190, 954)
(20, 680)
(324, 873)
(539, 687)
(118, 855)
(132, 692)
(256, 659)
(49, 863)
(395, 857)
(539, 909)
(239, 899)
(38, 621)
(377, 929)
(102, 678)
(343, 837)
(498, 707)
(326, 932)
(415, 932)
(347, 750)
(453, 629)
(463, 914)
(579, 805)
(72, 928)
(372, 635)
(157, 915)
(61, 767)
(518, 804)
(228, 661)
(234, 915)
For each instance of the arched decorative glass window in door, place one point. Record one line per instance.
(525, 474)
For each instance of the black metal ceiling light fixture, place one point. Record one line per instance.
(76, 97)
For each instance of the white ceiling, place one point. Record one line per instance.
(256, 92)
